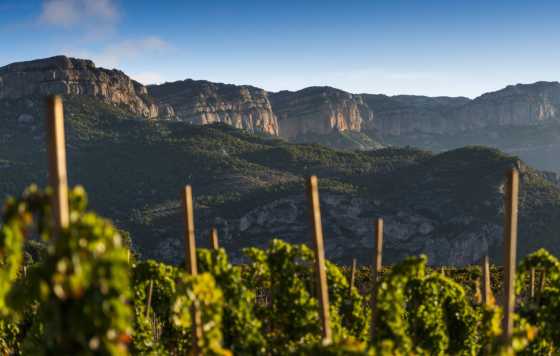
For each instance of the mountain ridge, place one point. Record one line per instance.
(314, 110)
(521, 119)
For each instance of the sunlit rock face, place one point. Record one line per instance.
(202, 102)
(318, 110)
(75, 77)
(289, 114)
(515, 105)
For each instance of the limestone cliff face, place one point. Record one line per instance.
(318, 110)
(71, 76)
(292, 115)
(321, 110)
(202, 102)
(515, 105)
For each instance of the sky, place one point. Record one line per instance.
(423, 47)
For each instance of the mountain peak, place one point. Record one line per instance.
(56, 62)
(72, 77)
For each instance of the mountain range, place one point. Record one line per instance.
(133, 147)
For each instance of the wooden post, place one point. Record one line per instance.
(377, 265)
(58, 179)
(353, 275)
(510, 242)
(541, 285)
(214, 238)
(190, 242)
(190, 261)
(320, 260)
(532, 283)
(477, 291)
(149, 302)
(486, 280)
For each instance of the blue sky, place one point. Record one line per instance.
(427, 47)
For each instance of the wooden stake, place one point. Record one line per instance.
(532, 283)
(486, 281)
(478, 292)
(214, 237)
(190, 242)
(353, 275)
(541, 285)
(149, 302)
(190, 261)
(58, 179)
(320, 260)
(377, 266)
(510, 242)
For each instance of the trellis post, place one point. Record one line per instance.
(214, 239)
(377, 266)
(486, 280)
(149, 301)
(353, 275)
(510, 239)
(320, 270)
(190, 261)
(532, 283)
(58, 178)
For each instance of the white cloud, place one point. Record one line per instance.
(116, 54)
(78, 13)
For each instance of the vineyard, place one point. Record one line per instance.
(87, 293)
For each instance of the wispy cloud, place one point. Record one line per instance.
(70, 13)
(147, 77)
(116, 54)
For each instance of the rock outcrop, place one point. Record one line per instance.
(319, 110)
(515, 105)
(71, 76)
(201, 102)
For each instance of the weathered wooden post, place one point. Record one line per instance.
(214, 238)
(58, 179)
(149, 301)
(353, 275)
(320, 270)
(190, 260)
(532, 283)
(541, 285)
(486, 280)
(377, 265)
(510, 242)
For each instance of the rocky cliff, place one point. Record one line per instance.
(319, 110)
(515, 105)
(201, 102)
(302, 115)
(75, 77)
